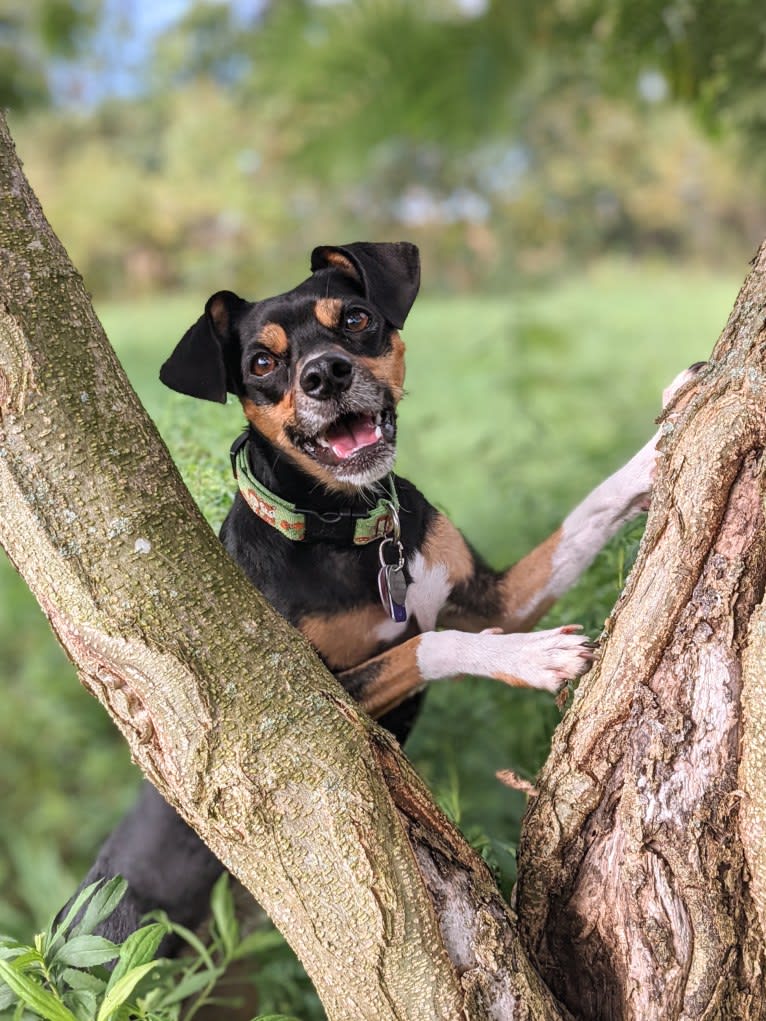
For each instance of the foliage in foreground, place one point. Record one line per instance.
(70, 973)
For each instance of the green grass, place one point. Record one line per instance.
(515, 408)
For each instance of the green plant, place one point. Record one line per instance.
(63, 975)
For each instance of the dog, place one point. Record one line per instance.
(382, 584)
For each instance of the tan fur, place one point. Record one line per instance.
(390, 368)
(525, 580)
(271, 420)
(345, 639)
(511, 681)
(522, 603)
(399, 676)
(327, 312)
(274, 338)
(444, 544)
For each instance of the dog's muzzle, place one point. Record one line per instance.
(345, 419)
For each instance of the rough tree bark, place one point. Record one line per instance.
(642, 871)
(226, 709)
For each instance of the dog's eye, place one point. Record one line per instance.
(356, 320)
(263, 364)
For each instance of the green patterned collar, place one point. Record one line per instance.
(303, 524)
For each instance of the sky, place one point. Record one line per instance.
(121, 45)
(128, 30)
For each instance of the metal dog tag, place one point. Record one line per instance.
(392, 585)
(393, 592)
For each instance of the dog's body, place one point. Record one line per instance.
(320, 517)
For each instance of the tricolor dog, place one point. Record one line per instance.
(382, 584)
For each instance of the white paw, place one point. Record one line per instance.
(543, 659)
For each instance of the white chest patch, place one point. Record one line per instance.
(426, 595)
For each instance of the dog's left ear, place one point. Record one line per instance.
(205, 362)
(388, 272)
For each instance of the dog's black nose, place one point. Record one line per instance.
(327, 376)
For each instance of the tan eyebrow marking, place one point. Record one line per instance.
(327, 311)
(274, 338)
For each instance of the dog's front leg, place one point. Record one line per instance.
(545, 659)
(530, 587)
(534, 584)
(517, 598)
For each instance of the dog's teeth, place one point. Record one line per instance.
(321, 442)
(378, 433)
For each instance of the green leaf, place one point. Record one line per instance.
(121, 990)
(259, 942)
(77, 903)
(85, 951)
(276, 1017)
(33, 995)
(139, 948)
(6, 952)
(83, 980)
(25, 958)
(57, 934)
(191, 984)
(222, 905)
(83, 1003)
(7, 997)
(186, 934)
(101, 905)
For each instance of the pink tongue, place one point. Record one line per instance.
(346, 438)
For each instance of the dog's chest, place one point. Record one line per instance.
(335, 603)
(330, 592)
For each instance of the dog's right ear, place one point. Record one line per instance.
(205, 362)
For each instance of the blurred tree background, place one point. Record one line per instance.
(586, 181)
(503, 136)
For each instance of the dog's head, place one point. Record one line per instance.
(319, 370)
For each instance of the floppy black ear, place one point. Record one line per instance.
(388, 272)
(205, 362)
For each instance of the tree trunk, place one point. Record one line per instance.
(642, 869)
(226, 709)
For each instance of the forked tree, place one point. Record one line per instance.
(642, 873)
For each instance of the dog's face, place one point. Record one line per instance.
(319, 370)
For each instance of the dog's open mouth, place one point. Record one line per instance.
(352, 436)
